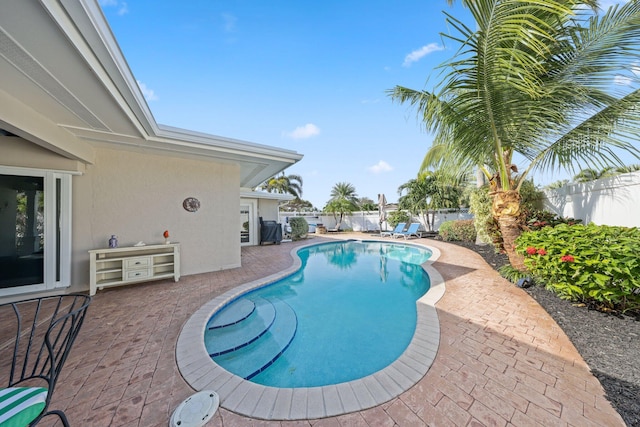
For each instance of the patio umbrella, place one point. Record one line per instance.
(384, 272)
(382, 213)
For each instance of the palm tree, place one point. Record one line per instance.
(297, 205)
(431, 190)
(344, 200)
(557, 184)
(367, 204)
(586, 175)
(533, 79)
(283, 184)
(344, 190)
(628, 169)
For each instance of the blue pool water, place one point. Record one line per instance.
(348, 312)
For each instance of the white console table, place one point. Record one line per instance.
(121, 266)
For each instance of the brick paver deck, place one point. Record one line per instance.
(502, 360)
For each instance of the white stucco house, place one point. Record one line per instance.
(82, 158)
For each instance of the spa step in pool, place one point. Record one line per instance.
(232, 315)
(239, 328)
(265, 333)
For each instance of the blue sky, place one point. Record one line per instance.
(306, 76)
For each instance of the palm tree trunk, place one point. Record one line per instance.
(506, 210)
(339, 223)
(480, 182)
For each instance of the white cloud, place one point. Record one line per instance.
(628, 80)
(124, 9)
(606, 4)
(418, 54)
(303, 132)
(622, 80)
(122, 6)
(603, 5)
(381, 167)
(229, 22)
(149, 94)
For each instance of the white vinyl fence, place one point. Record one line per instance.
(369, 221)
(606, 201)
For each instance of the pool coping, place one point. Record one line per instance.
(273, 403)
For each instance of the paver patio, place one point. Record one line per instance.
(502, 360)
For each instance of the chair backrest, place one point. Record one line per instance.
(36, 337)
(400, 227)
(413, 228)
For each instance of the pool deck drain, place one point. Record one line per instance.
(272, 403)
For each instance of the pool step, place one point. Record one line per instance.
(234, 313)
(265, 348)
(223, 339)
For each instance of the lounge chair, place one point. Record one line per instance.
(411, 231)
(399, 228)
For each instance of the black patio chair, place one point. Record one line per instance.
(36, 336)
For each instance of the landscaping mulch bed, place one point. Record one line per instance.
(608, 342)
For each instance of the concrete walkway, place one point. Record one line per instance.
(502, 360)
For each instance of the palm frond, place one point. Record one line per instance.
(597, 140)
(533, 78)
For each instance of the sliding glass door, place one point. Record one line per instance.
(35, 230)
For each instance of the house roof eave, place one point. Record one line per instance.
(89, 95)
(249, 194)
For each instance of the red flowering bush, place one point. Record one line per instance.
(533, 251)
(537, 220)
(586, 263)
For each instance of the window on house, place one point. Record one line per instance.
(245, 224)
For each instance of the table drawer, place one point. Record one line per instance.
(137, 274)
(138, 262)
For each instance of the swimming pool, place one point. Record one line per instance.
(302, 403)
(348, 312)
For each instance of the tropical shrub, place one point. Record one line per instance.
(458, 230)
(396, 217)
(486, 225)
(445, 231)
(513, 274)
(480, 207)
(541, 218)
(530, 196)
(299, 227)
(592, 264)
